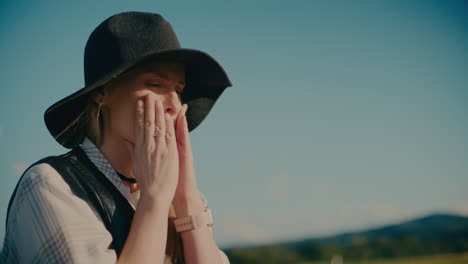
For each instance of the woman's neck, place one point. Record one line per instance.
(116, 152)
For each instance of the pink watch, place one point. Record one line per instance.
(192, 222)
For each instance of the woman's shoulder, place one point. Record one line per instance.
(39, 170)
(35, 181)
(41, 173)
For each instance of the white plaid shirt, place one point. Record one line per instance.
(49, 224)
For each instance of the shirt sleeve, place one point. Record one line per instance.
(49, 224)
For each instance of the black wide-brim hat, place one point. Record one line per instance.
(122, 41)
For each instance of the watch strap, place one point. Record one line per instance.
(192, 222)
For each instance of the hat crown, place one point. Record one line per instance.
(125, 38)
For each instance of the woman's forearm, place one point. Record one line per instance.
(199, 244)
(146, 241)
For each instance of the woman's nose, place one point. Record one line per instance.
(172, 103)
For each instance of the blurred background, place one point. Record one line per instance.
(342, 140)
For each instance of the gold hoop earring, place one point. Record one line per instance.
(99, 111)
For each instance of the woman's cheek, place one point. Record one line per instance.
(124, 124)
(130, 126)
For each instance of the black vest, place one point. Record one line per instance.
(88, 183)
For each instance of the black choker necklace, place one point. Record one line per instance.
(127, 179)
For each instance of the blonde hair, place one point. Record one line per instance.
(88, 123)
(94, 120)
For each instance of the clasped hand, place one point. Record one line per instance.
(161, 154)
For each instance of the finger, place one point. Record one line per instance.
(149, 118)
(139, 121)
(170, 132)
(186, 132)
(179, 123)
(183, 133)
(160, 122)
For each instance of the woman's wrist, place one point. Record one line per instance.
(190, 205)
(155, 200)
(185, 193)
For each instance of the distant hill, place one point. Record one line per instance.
(433, 234)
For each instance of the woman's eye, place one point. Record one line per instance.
(154, 84)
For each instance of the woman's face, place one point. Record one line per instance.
(163, 80)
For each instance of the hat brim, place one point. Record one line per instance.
(205, 82)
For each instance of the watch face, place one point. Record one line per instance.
(184, 224)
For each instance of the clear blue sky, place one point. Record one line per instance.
(343, 115)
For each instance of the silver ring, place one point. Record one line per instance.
(157, 133)
(148, 124)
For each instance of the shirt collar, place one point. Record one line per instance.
(95, 155)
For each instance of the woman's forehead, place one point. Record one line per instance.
(171, 70)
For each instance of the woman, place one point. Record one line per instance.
(126, 192)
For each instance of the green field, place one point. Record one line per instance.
(436, 259)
